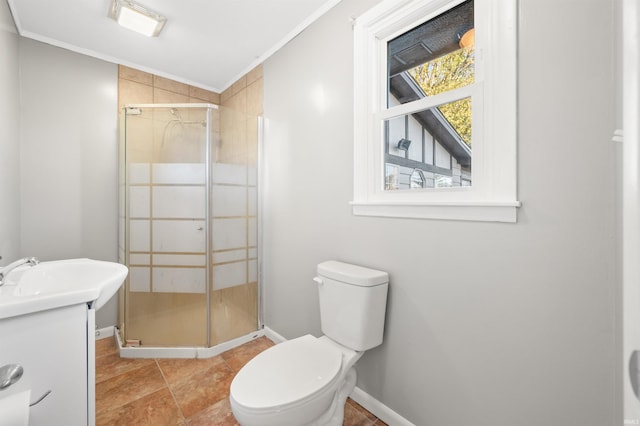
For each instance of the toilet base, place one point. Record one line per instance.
(328, 406)
(335, 415)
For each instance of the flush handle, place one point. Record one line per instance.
(318, 280)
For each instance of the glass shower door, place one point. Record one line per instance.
(166, 226)
(189, 225)
(234, 228)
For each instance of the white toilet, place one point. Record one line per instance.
(306, 381)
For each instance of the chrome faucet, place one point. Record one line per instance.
(32, 261)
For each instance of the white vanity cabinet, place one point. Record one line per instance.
(56, 349)
(47, 325)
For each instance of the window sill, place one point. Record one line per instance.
(482, 212)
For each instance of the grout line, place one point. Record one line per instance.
(175, 401)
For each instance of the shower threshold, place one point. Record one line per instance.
(184, 352)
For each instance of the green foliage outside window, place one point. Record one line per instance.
(446, 73)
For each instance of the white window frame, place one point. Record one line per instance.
(493, 194)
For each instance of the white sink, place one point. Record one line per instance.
(51, 285)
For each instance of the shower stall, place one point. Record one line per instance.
(189, 228)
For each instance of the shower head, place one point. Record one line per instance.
(176, 113)
(178, 118)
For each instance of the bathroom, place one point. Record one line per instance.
(487, 323)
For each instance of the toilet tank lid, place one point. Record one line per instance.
(352, 274)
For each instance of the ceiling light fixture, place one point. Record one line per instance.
(136, 17)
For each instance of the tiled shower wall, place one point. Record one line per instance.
(244, 97)
(234, 301)
(234, 221)
(237, 165)
(138, 87)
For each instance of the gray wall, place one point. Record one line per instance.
(9, 139)
(68, 163)
(58, 143)
(487, 324)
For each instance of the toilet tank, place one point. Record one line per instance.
(353, 302)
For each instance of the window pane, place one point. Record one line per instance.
(445, 73)
(458, 114)
(391, 177)
(429, 148)
(418, 180)
(443, 181)
(432, 58)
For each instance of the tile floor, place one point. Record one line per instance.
(179, 391)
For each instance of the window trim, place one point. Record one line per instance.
(493, 194)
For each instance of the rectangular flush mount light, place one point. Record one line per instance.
(136, 17)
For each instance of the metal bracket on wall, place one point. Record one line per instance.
(9, 374)
(634, 372)
(618, 136)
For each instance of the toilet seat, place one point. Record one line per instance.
(286, 375)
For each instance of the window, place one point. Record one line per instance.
(417, 179)
(435, 110)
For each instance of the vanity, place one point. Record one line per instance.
(47, 327)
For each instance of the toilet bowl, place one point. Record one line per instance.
(298, 382)
(306, 381)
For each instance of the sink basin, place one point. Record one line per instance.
(50, 285)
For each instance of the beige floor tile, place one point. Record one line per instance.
(179, 370)
(238, 357)
(128, 387)
(218, 414)
(112, 365)
(156, 409)
(203, 389)
(361, 409)
(106, 346)
(355, 417)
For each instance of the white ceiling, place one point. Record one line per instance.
(205, 43)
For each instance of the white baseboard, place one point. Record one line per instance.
(103, 333)
(378, 409)
(374, 406)
(275, 337)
